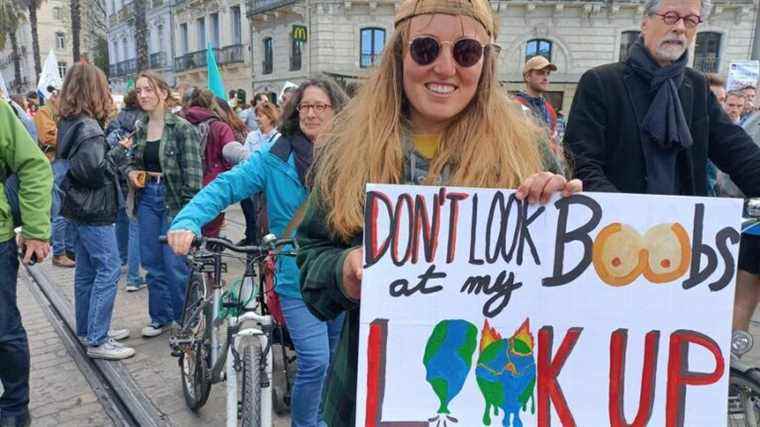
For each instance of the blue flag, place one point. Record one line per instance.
(215, 83)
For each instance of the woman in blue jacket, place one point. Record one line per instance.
(280, 172)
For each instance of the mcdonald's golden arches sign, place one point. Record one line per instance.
(299, 33)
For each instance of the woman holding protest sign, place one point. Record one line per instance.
(432, 113)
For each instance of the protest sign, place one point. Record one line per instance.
(742, 74)
(596, 309)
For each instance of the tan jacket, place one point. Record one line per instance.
(47, 130)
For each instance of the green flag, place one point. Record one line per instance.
(215, 83)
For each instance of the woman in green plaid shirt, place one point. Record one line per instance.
(432, 113)
(166, 172)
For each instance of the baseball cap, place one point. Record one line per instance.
(538, 62)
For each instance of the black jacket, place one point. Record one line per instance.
(603, 135)
(90, 192)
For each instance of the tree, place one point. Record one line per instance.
(76, 29)
(11, 17)
(100, 58)
(32, 6)
(141, 35)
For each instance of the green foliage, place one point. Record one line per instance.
(100, 59)
(12, 15)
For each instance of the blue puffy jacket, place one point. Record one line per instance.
(271, 170)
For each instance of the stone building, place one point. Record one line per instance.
(122, 47)
(221, 24)
(345, 38)
(54, 32)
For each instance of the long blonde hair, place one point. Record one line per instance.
(490, 143)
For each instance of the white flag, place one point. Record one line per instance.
(49, 75)
(4, 88)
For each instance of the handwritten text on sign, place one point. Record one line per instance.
(480, 309)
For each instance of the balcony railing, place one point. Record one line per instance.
(123, 68)
(254, 7)
(227, 55)
(158, 60)
(231, 54)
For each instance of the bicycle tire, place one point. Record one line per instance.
(744, 398)
(251, 385)
(194, 363)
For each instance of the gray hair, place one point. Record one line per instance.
(652, 6)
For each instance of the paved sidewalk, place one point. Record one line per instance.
(60, 395)
(154, 370)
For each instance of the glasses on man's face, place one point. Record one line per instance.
(672, 18)
(318, 108)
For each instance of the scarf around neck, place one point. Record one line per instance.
(664, 125)
(303, 150)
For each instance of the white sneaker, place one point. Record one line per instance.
(110, 350)
(118, 334)
(152, 331)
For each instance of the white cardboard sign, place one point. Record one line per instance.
(742, 74)
(597, 309)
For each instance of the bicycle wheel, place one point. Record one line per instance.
(251, 383)
(743, 400)
(194, 362)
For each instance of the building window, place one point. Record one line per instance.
(57, 13)
(200, 27)
(124, 50)
(627, 38)
(237, 29)
(215, 30)
(538, 47)
(160, 38)
(268, 57)
(296, 49)
(62, 69)
(707, 52)
(183, 39)
(372, 43)
(60, 41)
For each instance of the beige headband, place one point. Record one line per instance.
(478, 10)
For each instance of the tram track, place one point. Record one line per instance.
(123, 400)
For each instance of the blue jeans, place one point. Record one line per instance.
(95, 278)
(14, 347)
(167, 273)
(62, 230)
(314, 341)
(128, 237)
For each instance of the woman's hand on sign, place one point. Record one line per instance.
(352, 274)
(539, 187)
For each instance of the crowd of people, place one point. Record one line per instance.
(432, 113)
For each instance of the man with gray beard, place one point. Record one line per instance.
(650, 124)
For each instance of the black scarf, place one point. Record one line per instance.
(302, 149)
(664, 125)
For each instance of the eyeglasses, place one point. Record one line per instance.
(318, 108)
(672, 18)
(466, 52)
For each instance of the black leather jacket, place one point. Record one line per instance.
(91, 194)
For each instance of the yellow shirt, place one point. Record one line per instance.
(426, 145)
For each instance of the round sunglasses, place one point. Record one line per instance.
(466, 52)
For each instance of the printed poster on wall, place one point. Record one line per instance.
(596, 309)
(742, 74)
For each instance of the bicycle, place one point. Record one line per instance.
(744, 379)
(208, 352)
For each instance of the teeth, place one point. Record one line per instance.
(442, 89)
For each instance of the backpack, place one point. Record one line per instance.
(204, 129)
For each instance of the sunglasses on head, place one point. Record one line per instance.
(466, 52)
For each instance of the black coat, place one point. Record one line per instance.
(603, 137)
(90, 192)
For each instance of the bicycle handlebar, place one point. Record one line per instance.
(216, 244)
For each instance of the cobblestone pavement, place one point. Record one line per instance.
(59, 393)
(154, 370)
